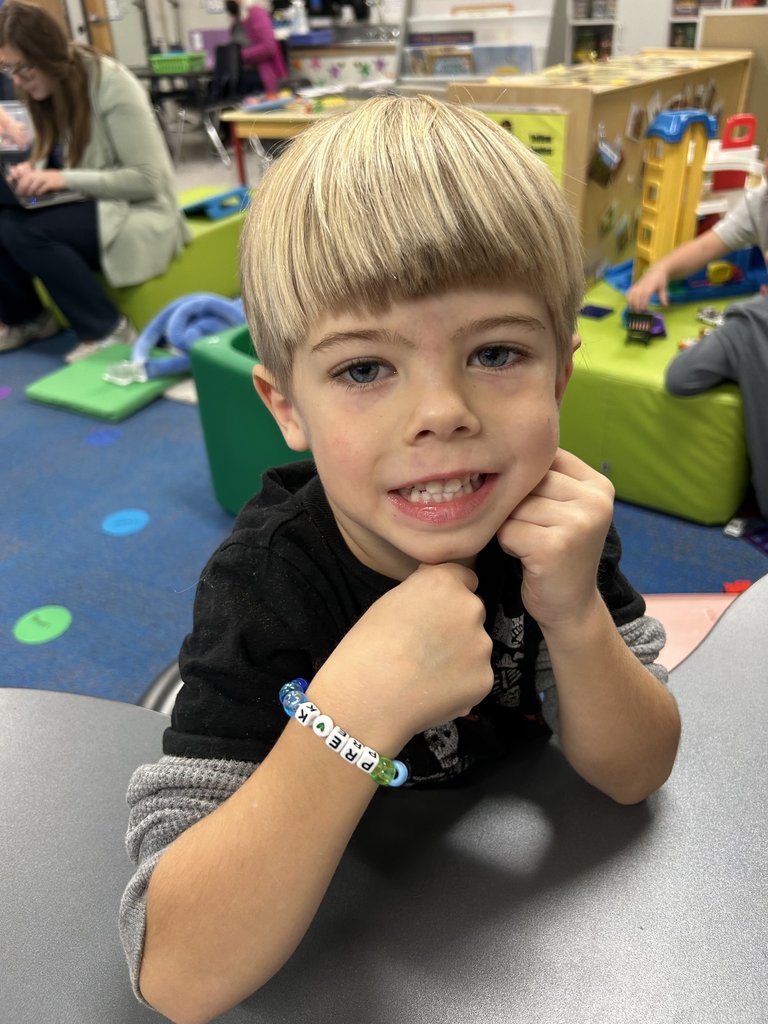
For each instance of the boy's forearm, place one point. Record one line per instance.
(619, 726)
(232, 897)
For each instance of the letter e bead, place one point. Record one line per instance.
(336, 738)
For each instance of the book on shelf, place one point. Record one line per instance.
(440, 60)
(455, 61)
(441, 38)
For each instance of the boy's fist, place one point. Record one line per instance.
(419, 657)
(558, 532)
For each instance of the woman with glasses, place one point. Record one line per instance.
(94, 133)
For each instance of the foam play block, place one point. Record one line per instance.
(80, 387)
(207, 264)
(685, 456)
(242, 439)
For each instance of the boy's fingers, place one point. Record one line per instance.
(460, 572)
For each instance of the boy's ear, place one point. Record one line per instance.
(566, 370)
(282, 408)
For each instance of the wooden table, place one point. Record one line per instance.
(271, 124)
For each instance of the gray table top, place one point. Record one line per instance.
(527, 897)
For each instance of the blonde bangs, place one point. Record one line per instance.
(403, 197)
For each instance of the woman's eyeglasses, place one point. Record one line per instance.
(22, 71)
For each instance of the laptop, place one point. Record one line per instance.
(65, 195)
(41, 202)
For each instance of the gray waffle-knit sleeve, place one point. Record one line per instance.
(164, 800)
(645, 637)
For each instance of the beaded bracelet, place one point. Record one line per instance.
(296, 705)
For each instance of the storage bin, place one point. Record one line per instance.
(176, 63)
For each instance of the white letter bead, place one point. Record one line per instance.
(368, 760)
(322, 725)
(337, 738)
(306, 713)
(351, 750)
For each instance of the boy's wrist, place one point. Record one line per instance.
(357, 710)
(571, 633)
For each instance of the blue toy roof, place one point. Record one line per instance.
(671, 125)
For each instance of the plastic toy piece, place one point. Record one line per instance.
(721, 271)
(736, 586)
(643, 326)
(711, 317)
(222, 205)
(677, 146)
(739, 134)
(126, 372)
(639, 327)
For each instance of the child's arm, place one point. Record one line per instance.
(231, 898)
(619, 726)
(686, 259)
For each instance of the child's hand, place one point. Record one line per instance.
(14, 131)
(419, 657)
(653, 280)
(558, 532)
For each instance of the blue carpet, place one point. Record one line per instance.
(130, 593)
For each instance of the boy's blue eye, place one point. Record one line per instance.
(493, 357)
(363, 372)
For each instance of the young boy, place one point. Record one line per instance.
(412, 277)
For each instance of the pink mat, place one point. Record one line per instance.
(687, 618)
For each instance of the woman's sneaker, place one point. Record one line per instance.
(43, 326)
(124, 332)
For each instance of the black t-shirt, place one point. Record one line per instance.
(283, 590)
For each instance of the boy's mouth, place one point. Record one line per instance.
(433, 492)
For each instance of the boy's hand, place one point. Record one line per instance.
(558, 532)
(419, 657)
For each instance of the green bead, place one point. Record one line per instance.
(384, 771)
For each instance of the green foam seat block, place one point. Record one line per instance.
(686, 456)
(80, 387)
(242, 439)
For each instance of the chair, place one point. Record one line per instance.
(225, 92)
(294, 83)
(161, 693)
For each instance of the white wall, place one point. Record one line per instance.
(641, 23)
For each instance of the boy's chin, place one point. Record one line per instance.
(459, 554)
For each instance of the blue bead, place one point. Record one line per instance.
(291, 695)
(401, 774)
(291, 701)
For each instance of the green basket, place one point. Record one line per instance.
(176, 63)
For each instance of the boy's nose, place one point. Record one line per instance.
(441, 411)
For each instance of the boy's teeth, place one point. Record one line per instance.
(442, 490)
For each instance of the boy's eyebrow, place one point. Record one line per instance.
(523, 320)
(372, 334)
(378, 336)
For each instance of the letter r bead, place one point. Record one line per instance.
(351, 750)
